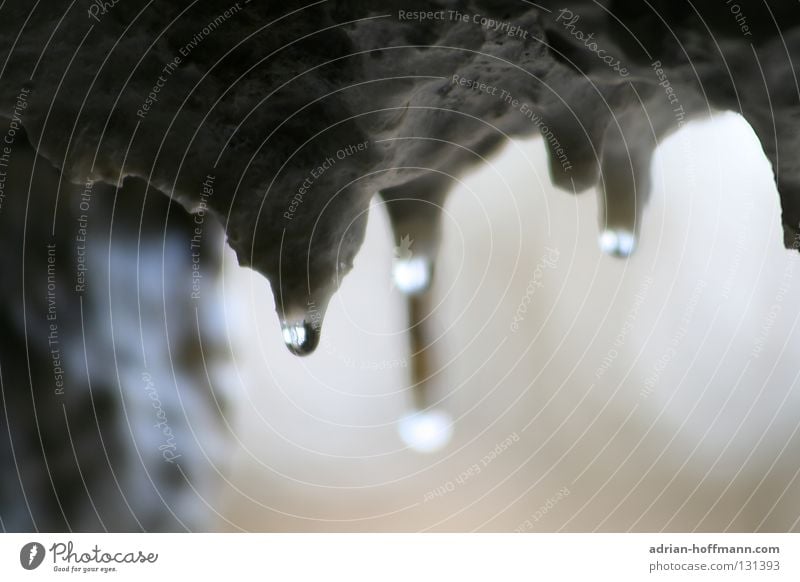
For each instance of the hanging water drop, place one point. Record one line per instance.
(301, 337)
(415, 211)
(617, 242)
(625, 182)
(426, 431)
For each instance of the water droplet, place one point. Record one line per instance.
(301, 337)
(617, 243)
(413, 276)
(426, 431)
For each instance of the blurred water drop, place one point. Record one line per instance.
(617, 243)
(413, 276)
(426, 431)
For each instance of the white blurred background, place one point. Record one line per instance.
(657, 393)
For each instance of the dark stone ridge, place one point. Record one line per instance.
(302, 112)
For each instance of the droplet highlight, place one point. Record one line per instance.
(617, 243)
(301, 337)
(426, 431)
(412, 276)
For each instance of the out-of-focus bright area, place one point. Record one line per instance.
(587, 392)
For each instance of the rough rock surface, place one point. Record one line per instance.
(263, 97)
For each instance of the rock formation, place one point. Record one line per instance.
(282, 120)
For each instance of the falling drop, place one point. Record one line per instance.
(617, 243)
(426, 431)
(415, 211)
(301, 337)
(413, 276)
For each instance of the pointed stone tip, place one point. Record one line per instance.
(300, 337)
(426, 431)
(412, 276)
(617, 243)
